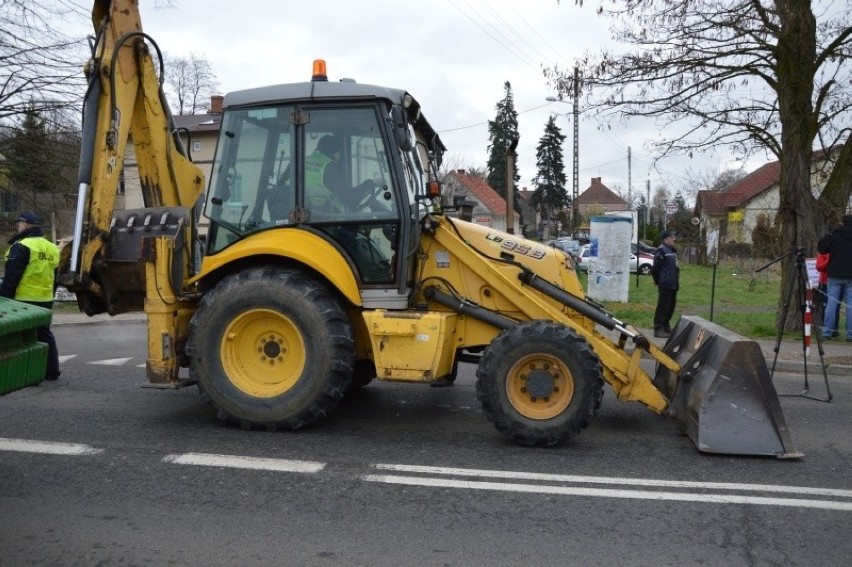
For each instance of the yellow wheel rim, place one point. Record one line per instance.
(263, 353)
(540, 386)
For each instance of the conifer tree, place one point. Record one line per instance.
(501, 131)
(549, 195)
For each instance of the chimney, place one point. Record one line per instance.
(216, 104)
(460, 171)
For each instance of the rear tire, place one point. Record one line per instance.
(271, 347)
(539, 383)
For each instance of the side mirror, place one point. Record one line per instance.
(400, 128)
(464, 206)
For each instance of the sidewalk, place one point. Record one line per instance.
(82, 318)
(837, 354)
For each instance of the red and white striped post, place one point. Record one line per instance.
(808, 321)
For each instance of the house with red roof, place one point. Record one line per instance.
(490, 208)
(598, 199)
(735, 211)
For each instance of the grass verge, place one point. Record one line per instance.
(731, 295)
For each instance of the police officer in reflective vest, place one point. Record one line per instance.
(30, 277)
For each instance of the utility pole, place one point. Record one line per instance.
(575, 194)
(647, 206)
(633, 216)
(629, 178)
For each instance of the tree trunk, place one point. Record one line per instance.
(796, 64)
(834, 200)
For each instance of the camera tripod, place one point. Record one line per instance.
(800, 285)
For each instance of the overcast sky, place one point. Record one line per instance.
(452, 55)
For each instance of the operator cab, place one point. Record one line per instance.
(341, 159)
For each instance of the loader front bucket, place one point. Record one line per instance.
(723, 397)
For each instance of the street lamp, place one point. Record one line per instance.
(575, 193)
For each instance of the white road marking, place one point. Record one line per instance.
(112, 361)
(66, 357)
(47, 447)
(616, 480)
(610, 493)
(240, 462)
(565, 489)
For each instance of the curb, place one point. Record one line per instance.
(81, 319)
(785, 366)
(814, 368)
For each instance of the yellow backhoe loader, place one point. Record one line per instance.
(320, 258)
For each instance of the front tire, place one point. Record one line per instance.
(271, 347)
(539, 383)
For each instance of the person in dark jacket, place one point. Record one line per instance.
(838, 245)
(666, 274)
(30, 277)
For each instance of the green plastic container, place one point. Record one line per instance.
(23, 360)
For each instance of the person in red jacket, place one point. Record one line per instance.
(838, 244)
(821, 296)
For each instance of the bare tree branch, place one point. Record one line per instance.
(747, 75)
(41, 66)
(189, 83)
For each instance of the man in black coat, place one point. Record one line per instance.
(666, 274)
(838, 245)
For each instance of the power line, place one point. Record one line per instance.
(486, 122)
(521, 57)
(535, 32)
(603, 164)
(514, 31)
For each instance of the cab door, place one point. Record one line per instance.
(348, 190)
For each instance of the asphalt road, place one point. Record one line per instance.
(95, 470)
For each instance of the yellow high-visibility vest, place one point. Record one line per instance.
(37, 282)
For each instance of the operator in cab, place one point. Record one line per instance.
(327, 190)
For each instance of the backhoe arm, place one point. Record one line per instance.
(124, 98)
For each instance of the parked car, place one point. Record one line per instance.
(644, 263)
(641, 247)
(569, 245)
(582, 261)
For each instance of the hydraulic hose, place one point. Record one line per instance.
(582, 307)
(464, 308)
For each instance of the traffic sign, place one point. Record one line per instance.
(671, 207)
